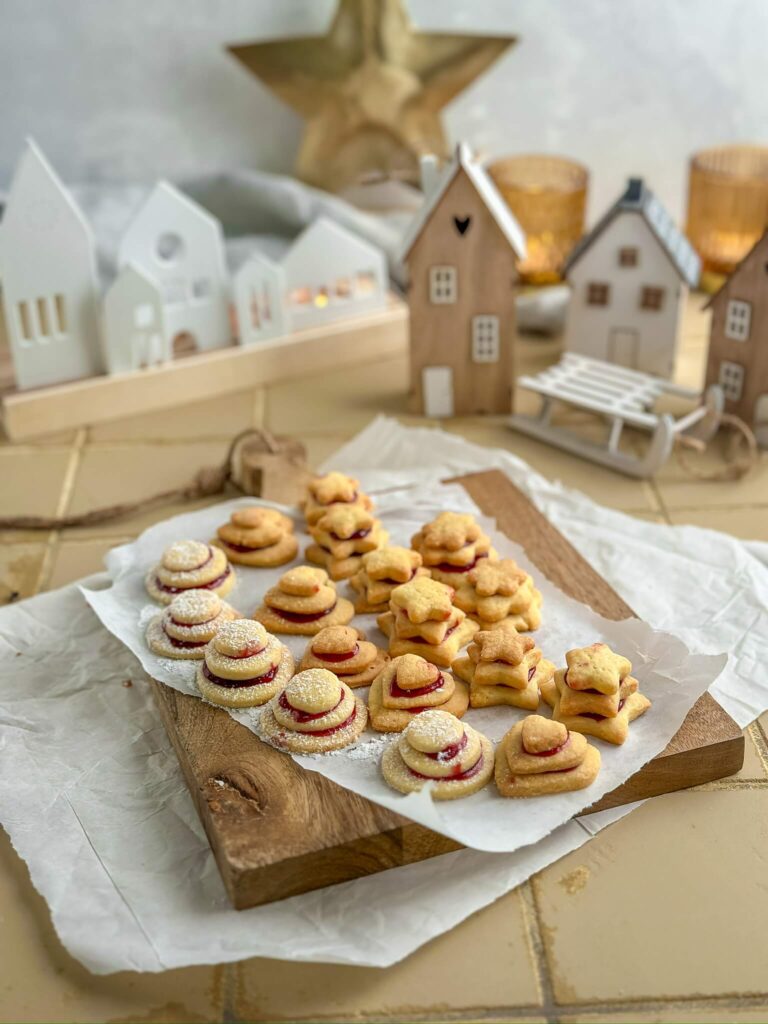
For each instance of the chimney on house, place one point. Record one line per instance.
(429, 172)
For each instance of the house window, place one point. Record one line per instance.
(738, 317)
(485, 339)
(598, 293)
(365, 283)
(442, 285)
(731, 380)
(628, 256)
(43, 319)
(60, 313)
(143, 315)
(651, 298)
(25, 324)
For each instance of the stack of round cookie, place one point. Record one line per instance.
(344, 651)
(315, 713)
(189, 565)
(303, 602)
(259, 537)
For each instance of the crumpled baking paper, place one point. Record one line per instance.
(671, 677)
(93, 798)
(94, 801)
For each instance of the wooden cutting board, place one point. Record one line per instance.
(277, 830)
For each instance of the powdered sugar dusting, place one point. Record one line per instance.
(185, 555)
(315, 689)
(195, 606)
(239, 634)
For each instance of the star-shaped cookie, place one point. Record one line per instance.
(503, 577)
(423, 599)
(334, 487)
(450, 531)
(503, 645)
(391, 563)
(596, 668)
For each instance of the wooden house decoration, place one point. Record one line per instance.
(178, 244)
(738, 340)
(48, 278)
(629, 278)
(331, 273)
(461, 253)
(134, 323)
(260, 300)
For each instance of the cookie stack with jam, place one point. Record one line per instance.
(596, 694)
(189, 565)
(342, 535)
(325, 492)
(538, 757)
(498, 591)
(315, 713)
(423, 620)
(303, 602)
(408, 686)
(451, 546)
(344, 651)
(379, 573)
(259, 537)
(244, 666)
(188, 624)
(503, 667)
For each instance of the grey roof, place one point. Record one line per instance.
(638, 198)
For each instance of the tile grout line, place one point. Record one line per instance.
(537, 949)
(231, 987)
(65, 496)
(760, 741)
(664, 511)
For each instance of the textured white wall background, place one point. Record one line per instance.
(133, 89)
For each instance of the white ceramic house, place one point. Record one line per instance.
(629, 278)
(134, 323)
(260, 300)
(330, 274)
(180, 245)
(48, 278)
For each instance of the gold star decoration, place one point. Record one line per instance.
(371, 90)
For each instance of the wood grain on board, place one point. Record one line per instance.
(277, 830)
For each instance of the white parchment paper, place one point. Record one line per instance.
(671, 677)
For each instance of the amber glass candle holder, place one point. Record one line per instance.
(548, 196)
(727, 204)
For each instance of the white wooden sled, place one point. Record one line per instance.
(623, 397)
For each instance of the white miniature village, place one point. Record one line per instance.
(172, 295)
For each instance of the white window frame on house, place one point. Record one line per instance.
(485, 338)
(443, 285)
(738, 319)
(731, 380)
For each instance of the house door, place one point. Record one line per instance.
(761, 420)
(437, 387)
(623, 347)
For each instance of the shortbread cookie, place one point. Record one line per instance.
(190, 621)
(437, 750)
(408, 686)
(259, 537)
(189, 565)
(596, 668)
(342, 535)
(324, 492)
(538, 757)
(344, 651)
(315, 713)
(422, 620)
(244, 666)
(451, 546)
(497, 591)
(303, 602)
(379, 573)
(611, 728)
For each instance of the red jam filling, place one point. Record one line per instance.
(304, 716)
(456, 776)
(249, 651)
(184, 645)
(396, 583)
(242, 549)
(240, 684)
(447, 567)
(357, 535)
(421, 640)
(552, 750)
(448, 753)
(337, 728)
(192, 625)
(599, 718)
(531, 673)
(306, 617)
(334, 657)
(195, 586)
(421, 691)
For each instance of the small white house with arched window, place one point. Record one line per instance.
(260, 300)
(180, 245)
(134, 323)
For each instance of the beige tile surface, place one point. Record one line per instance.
(32, 480)
(73, 559)
(39, 981)
(695, 1012)
(669, 877)
(484, 962)
(746, 523)
(20, 568)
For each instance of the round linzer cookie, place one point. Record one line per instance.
(258, 537)
(189, 565)
(244, 666)
(314, 714)
(303, 602)
(344, 651)
(188, 624)
(440, 751)
(538, 757)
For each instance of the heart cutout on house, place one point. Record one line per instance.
(462, 224)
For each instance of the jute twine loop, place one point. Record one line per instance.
(741, 452)
(208, 482)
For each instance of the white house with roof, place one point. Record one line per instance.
(180, 245)
(48, 278)
(629, 278)
(134, 323)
